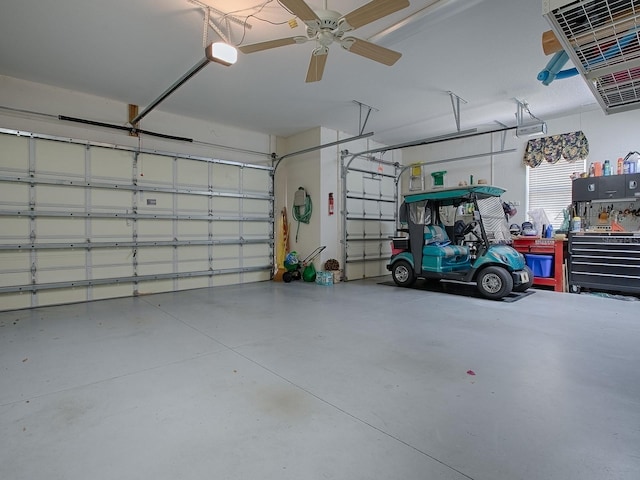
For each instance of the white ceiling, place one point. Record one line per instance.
(488, 52)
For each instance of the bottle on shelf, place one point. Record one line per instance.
(620, 166)
(606, 169)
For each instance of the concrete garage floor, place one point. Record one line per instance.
(300, 381)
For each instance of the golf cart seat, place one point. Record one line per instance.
(445, 256)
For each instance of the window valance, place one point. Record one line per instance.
(569, 146)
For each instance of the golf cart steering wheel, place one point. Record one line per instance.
(469, 228)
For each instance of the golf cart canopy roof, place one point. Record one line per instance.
(453, 194)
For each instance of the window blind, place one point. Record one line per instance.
(550, 188)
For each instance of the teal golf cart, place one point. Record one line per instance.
(459, 234)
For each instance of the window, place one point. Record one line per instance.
(550, 188)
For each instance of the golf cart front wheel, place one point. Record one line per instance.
(403, 273)
(494, 283)
(287, 277)
(523, 287)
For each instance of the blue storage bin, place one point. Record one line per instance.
(540, 265)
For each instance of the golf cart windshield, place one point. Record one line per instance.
(494, 220)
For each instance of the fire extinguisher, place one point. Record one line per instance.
(331, 204)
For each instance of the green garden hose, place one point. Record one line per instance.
(302, 213)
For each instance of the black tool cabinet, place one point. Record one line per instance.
(604, 261)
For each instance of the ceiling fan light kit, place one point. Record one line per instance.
(325, 27)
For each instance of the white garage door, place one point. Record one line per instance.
(369, 217)
(82, 221)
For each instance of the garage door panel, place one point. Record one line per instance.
(223, 205)
(224, 263)
(112, 262)
(261, 251)
(192, 204)
(14, 196)
(72, 229)
(256, 276)
(111, 291)
(355, 206)
(14, 229)
(156, 268)
(62, 295)
(155, 286)
(108, 164)
(354, 184)
(192, 230)
(258, 261)
(193, 174)
(387, 209)
(193, 265)
(66, 274)
(255, 229)
(154, 254)
(225, 230)
(155, 170)
(371, 185)
(15, 268)
(155, 203)
(226, 256)
(103, 200)
(15, 301)
(59, 198)
(228, 279)
(255, 180)
(59, 159)
(111, 229)
(14, 155)
(256, 207)
(372, 229)
(155, 229)
(198, 253)
(112, 271)
(193, 282)
(225, 177)
(61, 258)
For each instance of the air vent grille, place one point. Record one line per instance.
(602, 37)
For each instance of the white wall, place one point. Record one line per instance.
(217, 140)
(300, 171)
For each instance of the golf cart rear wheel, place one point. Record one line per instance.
(403, 273)
(494, 282)
(523, 287)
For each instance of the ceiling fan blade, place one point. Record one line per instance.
(371, 50)
(316, 66)
(301, 10)
(371, 12)
(258, 47)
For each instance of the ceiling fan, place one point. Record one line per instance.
(327, 26)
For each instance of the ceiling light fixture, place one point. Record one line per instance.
(533, 126)
(222, 53)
